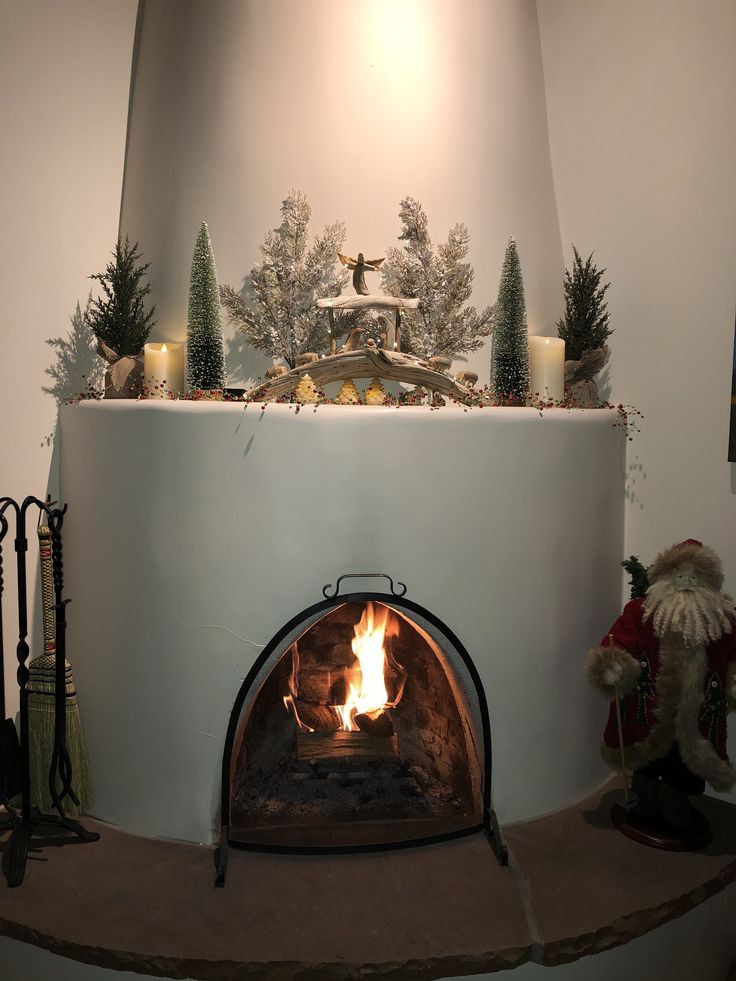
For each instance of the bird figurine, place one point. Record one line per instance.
(353, 343)
(359, 267)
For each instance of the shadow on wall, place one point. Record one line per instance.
(78, 368)
(604, 384)
(244, 363)
(632, 491)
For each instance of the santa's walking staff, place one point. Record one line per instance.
(629, 799)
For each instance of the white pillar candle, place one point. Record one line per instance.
(163, 369)
(547, 367)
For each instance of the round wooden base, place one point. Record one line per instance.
(655, 832)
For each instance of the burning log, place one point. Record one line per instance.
(320, 717)
(379, 726)
(345, 745)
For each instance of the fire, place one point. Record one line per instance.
(291, 707)
(290, 699)
(369, 696)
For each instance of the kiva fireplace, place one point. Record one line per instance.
(362, 725)
(193, 656)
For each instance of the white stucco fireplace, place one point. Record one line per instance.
(199, 530)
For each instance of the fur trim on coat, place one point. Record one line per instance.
(612, 671)
(679, 701)
(704, 559)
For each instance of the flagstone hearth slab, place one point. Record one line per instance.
(575, 887)
(591, 888)
(150, 906)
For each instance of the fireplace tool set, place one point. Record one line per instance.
(29, 827)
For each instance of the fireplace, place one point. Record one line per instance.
(493, 520)
(362, 725)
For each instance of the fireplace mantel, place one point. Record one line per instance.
(196, 530)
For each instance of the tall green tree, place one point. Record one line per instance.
(585, 324)
(205, 352)
(510, 360)
(119, 318)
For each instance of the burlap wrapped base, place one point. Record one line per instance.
(124, 376)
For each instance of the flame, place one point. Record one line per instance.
(290, 699)
(164, 348)
(291, 707)
(369, 696)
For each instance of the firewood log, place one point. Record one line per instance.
(381, 726)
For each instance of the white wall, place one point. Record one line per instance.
(64, 78)
(357, 105)
(640, 101)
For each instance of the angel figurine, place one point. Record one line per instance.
(359, 267)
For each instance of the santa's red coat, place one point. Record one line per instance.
(639, 708)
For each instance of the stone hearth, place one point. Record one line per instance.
(429, 912)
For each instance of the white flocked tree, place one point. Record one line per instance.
(442, 280)
(276, 310)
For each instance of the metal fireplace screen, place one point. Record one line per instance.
(363, 725)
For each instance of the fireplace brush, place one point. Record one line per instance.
(42, 710)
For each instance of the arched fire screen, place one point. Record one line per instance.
(363, 725)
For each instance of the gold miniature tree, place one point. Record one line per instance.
(375, 394)
(306, 391)
(348, 394)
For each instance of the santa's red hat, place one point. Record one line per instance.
(704, 559)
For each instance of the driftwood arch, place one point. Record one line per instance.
(366, 363)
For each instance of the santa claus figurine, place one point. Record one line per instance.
(670, 659)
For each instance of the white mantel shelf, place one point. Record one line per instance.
(196, 530)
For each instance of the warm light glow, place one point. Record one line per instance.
(547, 367)
(369, 696)
(397, 53)
(164, 348)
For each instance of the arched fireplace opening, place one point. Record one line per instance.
(363, 725)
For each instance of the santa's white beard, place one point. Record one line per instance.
(698, 615)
